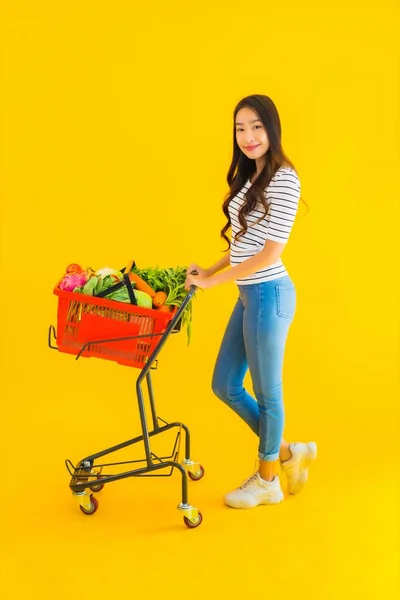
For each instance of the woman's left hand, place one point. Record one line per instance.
(201, 282)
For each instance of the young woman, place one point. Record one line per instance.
(260, 208)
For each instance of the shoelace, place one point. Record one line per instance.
(250, 480)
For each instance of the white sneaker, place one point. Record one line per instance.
(296, 468)
(255, 491)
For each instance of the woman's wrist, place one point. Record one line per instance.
(218, 266)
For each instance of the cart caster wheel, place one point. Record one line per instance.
(195, 523)
(94, 505)
(198, 475)
(97, 487)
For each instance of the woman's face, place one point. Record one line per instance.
(251, 135)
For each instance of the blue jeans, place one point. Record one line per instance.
(255, 339)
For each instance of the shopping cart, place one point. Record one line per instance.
(94, 326)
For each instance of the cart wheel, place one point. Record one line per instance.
(97, 487)
(94, 505)
(193, 524)
(197, 476)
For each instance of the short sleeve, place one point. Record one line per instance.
(283, 194)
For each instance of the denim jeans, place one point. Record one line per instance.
(255, 339)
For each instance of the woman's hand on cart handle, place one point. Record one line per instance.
(195, 278)
(194, 269)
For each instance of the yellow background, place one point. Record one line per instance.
(116, 140)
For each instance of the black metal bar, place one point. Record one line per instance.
(165, 336)
(187, 442)
(184, 485)
(131, 293)
(152, 402)
(78, 487)
(72, 470)
(67, 463)
(161, 462)
(52, 330)
(110, 290)
(146, 369)
(143, 421)
(174, 448)
(144, 475)
(135, 440)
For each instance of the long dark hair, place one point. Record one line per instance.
(242, 168)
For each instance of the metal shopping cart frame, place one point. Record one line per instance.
(87, 475)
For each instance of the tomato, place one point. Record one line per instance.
(74, 268)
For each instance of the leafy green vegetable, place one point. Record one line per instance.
(172, 282)
(104, 283)
(122, 295)
(90, 286)
(95, 285)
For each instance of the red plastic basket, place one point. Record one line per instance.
(82, 318)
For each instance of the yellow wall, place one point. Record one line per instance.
(116, 140)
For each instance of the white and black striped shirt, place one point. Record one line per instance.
(282, 194)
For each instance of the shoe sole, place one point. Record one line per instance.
(275, 500)
(306, 462)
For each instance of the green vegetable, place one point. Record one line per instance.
(172, 282)
(104, 283)
(95, 285)
(143, 299)
(122, 295)
(89, 287)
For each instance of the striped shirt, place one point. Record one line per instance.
(282, 195)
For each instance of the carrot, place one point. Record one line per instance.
(164, 308)
(141, 285)
(159, 299)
